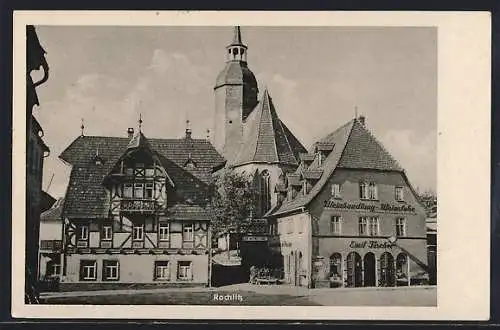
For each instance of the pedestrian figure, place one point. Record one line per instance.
(253, 274)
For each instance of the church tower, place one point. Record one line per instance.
(235, 97)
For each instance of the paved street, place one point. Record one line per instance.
(245, 294)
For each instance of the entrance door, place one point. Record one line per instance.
(354, 275)
(369, 269)
(387, 272)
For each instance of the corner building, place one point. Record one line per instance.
(350, 217)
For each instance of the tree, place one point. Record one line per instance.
(231, 202)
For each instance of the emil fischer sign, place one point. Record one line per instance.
(369, 207)
(371, 245)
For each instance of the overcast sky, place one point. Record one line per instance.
(316, 77)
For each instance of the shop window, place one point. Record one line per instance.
(138, 232)
(187, 232)
(399, 194)
(164, 231)
(336, 267)
(335, 224)
(88, 270)
(400, 227)
(162, 270)
(184, 270)
(110, 270)
(335, 190)
(402, 268)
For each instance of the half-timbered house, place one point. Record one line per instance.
(136, 211)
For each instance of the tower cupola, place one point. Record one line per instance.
(236, 50)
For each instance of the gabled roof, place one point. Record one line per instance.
(267, 139)
(354, 147)
(87, 197)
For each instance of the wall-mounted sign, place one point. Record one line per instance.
(254, 238)
(371, 245)
(369, 207)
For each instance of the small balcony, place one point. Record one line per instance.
(139, 205)
(51, 245)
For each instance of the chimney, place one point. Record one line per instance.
(130, 132)
(362, 120)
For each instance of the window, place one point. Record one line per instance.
(399, 194)
(107, 233)
(88, 270)
(368, 226)
(400, 227)
(163, 231)
(110, 270)
(83, 233)
(368, 191)
(304, 187)
(373, 226)
(372, 191)
(139, 190)
(150, 172)
(187, 232)
(127, 190)
(320, 158)
(336, 266)
(138, 232)
(149, 190)
(363, 190)
(335, 224)
(363, 226)
(336, 190)
(129, 171)
(162, 272)
(184, 271)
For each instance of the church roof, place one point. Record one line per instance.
(354, 147)
(267, 139)
(235, 73)
(86, 196)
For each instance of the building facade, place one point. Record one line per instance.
(136, 211)
(36, 151)
(350, 217)
(49, 261)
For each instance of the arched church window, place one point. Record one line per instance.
(235, 51)
(265, 193)
(242, 51)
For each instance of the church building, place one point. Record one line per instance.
(252, 138)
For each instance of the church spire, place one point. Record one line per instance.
(237, 36)
(236, 50)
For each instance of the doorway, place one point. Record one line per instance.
(387, 271)
(369, 269)
(354, 270)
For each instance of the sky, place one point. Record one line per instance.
(316, 76)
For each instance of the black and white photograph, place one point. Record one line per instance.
(233, 165)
